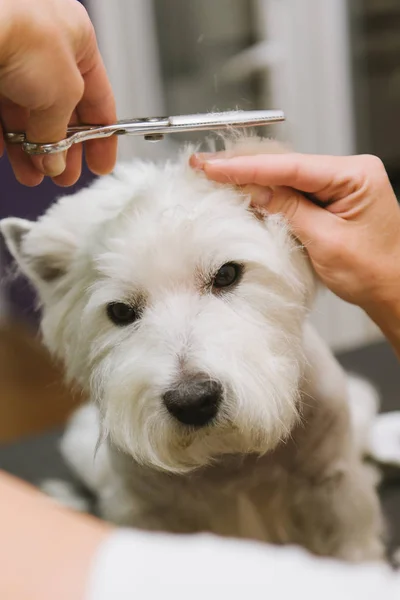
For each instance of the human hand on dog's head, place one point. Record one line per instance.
(351, 233)
(51, 74)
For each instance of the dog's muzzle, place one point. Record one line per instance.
(194, 401)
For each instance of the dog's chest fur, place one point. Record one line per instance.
(229, 498)
(240, 496)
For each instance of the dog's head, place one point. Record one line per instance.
(177, 307)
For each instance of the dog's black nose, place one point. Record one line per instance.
(194, 401)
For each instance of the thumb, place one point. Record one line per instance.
(50, 124)
(305, 218)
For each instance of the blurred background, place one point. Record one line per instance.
(333, 66)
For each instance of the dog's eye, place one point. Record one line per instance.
(227, 275)
(121, 314)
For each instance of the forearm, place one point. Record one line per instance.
(45, 552)
(389, 324)
(385, 312)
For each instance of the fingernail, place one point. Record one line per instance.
(54, 164)
(260, 196)
(197, 161)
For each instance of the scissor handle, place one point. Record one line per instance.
(75, 134)
(152, 128)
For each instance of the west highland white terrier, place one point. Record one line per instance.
(215, 406)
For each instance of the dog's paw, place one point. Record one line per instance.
(64, 493)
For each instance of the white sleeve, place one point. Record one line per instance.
(145, 566)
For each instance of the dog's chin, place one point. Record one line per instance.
(173, 448)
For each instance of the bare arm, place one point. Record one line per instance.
(45, 552)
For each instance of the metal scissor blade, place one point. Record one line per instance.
(152, 128)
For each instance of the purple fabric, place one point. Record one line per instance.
(29, 203)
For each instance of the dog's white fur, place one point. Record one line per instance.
(281, 461)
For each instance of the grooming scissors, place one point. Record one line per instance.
(152, 128)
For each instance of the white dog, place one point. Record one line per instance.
(215, 406)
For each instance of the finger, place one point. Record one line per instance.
(101, 155)
(50, 124)
(74, 162)
(98, 107)
(14, 118)
(307, 221)
(313, 174)
(24, 171)
(73, 169)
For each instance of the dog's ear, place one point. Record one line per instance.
(43, 253)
